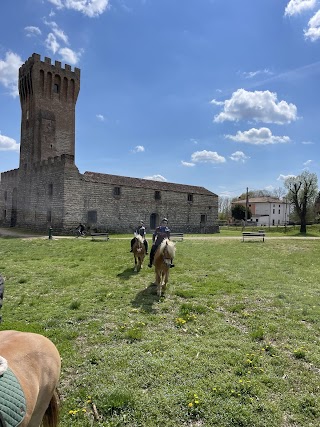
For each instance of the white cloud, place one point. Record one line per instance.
(207, 157)
(308, 163)
(259, 106)
(57, 3)
(32, 31)
(262, 136)
(91, 8)
(57, 31)
(9, 70)
(313, 32)
(156, 178)
(307, 142)
(100, 117)
(8, 144)
(239, 156)
(51, 43)
(252, 74)
(69, 56)
(138, 149)
(187, 164)
(215, 102)
(295, 7)
(282, 177)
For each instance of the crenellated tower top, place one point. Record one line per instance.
(48, 95)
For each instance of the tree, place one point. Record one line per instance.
(239, 212)
(224, 208)
(302, 192)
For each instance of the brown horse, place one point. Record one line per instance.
(162, 261)
(139, 252)
(35, 362)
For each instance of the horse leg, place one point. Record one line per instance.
(51, 415)
(166, 278)
(135, 263)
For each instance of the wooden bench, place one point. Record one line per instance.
(95, 236)
(250, 234)
(176, 236)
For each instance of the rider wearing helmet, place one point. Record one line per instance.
(141, 229)
(160, 233)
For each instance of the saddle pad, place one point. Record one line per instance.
(12, 400)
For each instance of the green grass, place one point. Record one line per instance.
(234, 342)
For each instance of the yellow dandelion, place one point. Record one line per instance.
(190, 405)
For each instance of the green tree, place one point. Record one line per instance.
(239, 212)
(302, 192)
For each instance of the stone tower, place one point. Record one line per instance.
(48, 96)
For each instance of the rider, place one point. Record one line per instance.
(141, 229)
(160, 233)
(80, 229)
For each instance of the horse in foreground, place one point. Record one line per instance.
(162, 261)
(139, 252)
(33, 361)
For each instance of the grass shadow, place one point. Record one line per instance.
(146, 298)
(126, 274)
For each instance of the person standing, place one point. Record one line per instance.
(141, 229)
(160, 233)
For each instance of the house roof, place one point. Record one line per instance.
(260, 200)
(145, 183)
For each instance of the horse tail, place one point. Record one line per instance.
(51, 416)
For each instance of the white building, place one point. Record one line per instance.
(267, 210)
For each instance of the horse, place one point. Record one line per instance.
(162, 261)
(33, 361)
(139, 252)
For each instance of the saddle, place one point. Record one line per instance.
(12, 398)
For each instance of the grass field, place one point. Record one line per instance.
(235, 341)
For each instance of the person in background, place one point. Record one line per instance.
(160, 233)
(80, 229)
(141, 229)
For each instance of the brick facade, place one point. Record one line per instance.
(48, 190)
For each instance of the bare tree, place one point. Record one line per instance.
(302, 192)
(224, 207)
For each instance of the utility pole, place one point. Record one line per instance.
(247, 205)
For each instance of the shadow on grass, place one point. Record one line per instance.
(146, 298)
(126, 274)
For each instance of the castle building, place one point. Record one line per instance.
(48, 190)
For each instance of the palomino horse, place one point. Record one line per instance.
(33, 361)
(139, 252)
(162, 261)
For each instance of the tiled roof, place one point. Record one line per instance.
(260, 200)
(144, 183)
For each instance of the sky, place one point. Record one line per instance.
(222, 94)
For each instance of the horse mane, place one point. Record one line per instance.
(169, 246)
(138, 237)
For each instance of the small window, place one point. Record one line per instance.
(92, 217)
(50, 190)
(279, 211)
(273, 211)
(190, 197)
(116, 191)
(5, 195)
(5, 214)
(49, 216)
(56, 88)
(203, 219)
(157, 195)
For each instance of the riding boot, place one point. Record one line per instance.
(151, 259)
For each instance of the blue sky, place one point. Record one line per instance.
(222, 94)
